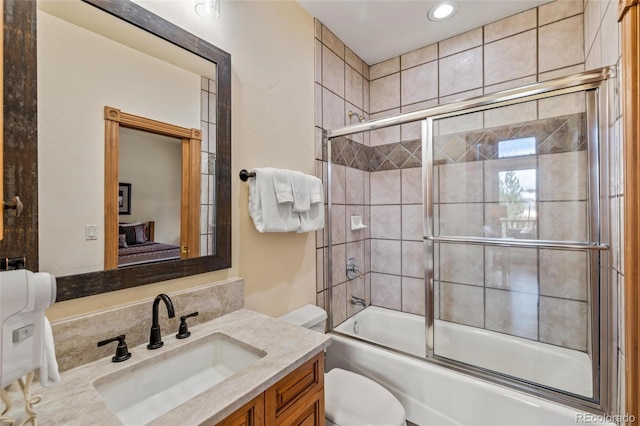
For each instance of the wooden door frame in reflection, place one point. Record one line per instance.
(191, 139)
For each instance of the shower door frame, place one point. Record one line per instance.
(597, 214)
(600, 345)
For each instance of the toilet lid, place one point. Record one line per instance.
(354, 400)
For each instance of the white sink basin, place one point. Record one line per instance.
(142, 393)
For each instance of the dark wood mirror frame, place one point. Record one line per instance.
(20, 135)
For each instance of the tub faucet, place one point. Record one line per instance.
(358, 301)
(155, 339)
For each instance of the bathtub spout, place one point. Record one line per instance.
(358, 301)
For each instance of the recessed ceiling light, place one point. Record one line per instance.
(208, 8)
(443, 10)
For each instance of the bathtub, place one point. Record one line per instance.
(434, 395)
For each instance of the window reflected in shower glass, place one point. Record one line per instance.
(517, 147)
(517, 198)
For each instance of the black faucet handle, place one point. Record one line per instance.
(194, 314)
(122, 352)
(183, 331)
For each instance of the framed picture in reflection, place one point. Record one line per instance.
(124, 198)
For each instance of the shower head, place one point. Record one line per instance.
(358, 116)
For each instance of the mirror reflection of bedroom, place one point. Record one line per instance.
(152, 189)
(88, 60)
(149, 198)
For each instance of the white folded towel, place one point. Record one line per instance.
(282, 185)
(313, 220)
(301, 193)
(267, 214)
(49, 374)
(316, 190)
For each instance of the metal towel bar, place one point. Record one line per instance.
(549, 244)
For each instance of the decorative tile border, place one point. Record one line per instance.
(401, 155)
(553, 135)
(346, 152)
(393, 156)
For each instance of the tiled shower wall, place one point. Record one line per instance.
(536, 45)
(556, 39)
(342, 85)
(208, 99)
(498, 56)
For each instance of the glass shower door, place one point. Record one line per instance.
(512, 221)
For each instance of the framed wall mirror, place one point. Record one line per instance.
(94, 54)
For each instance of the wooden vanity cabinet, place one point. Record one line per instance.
(299, 397)
(309, 412)
(250, 414)
(296, 400)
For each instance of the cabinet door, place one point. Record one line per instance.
(250, 414)
(292, 392)
(308, 412)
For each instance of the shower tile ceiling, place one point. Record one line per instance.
(377, 30)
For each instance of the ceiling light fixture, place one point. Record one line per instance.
(443, 10)
(209, 9)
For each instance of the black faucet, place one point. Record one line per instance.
(155, 339)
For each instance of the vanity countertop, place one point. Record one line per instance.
(74, 401)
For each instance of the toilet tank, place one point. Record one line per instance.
(309, 316)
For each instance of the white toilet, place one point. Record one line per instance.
(350, 399)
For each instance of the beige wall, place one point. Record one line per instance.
(271, 47)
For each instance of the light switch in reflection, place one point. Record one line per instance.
(90, 232)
